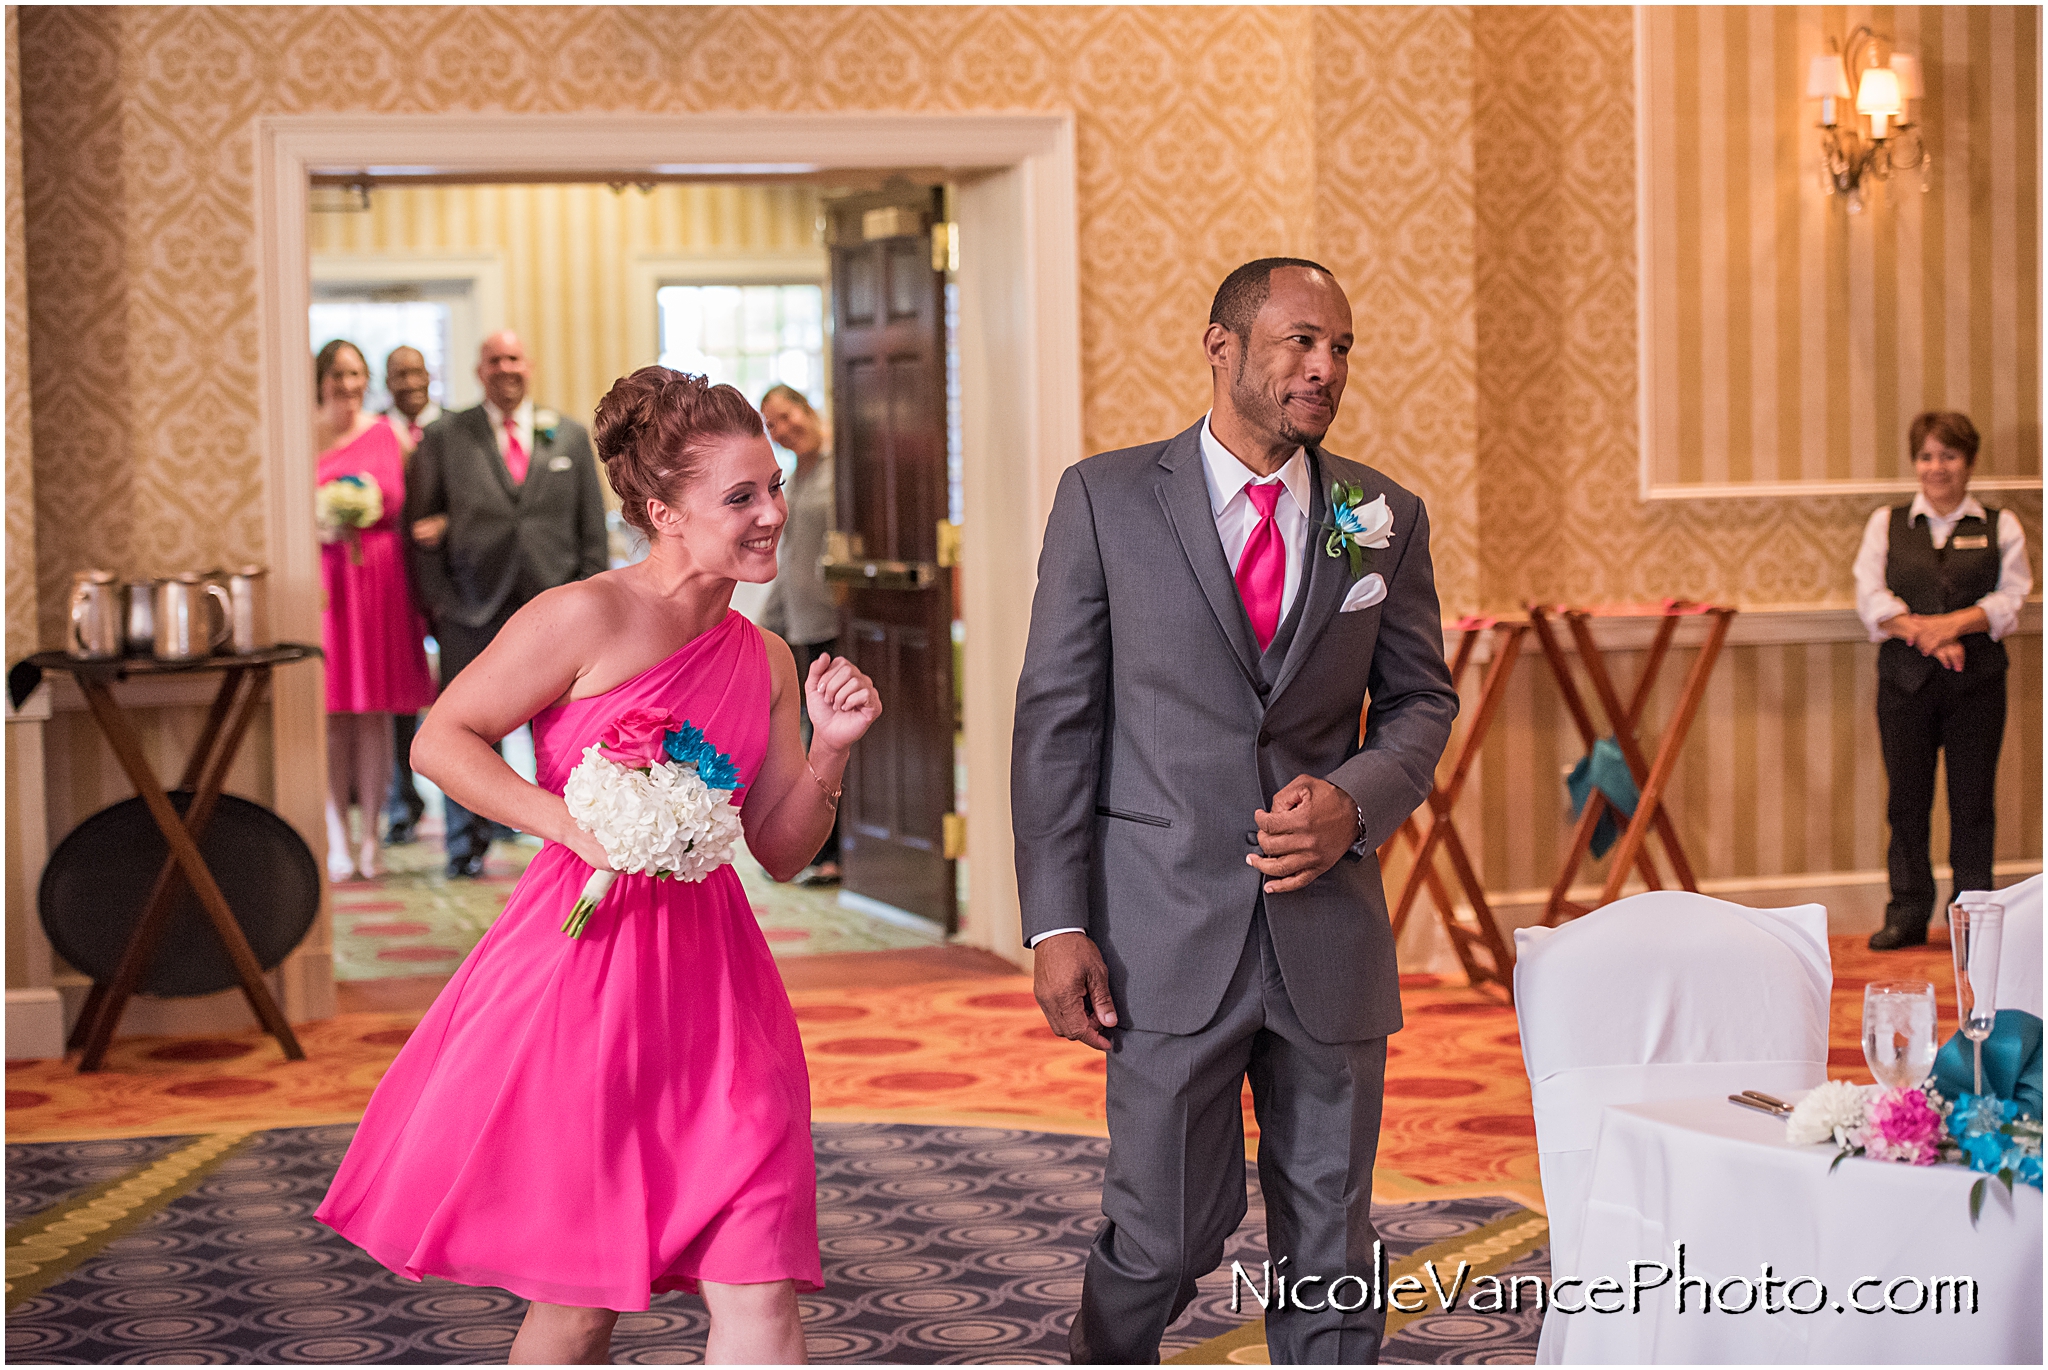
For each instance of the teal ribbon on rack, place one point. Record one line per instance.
(1604, 769)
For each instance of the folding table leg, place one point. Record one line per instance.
(185, 852)
(1668, 747)
(1625, 721)
(234, 706)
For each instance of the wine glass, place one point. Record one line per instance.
(1976, 926)
(1898, 1031)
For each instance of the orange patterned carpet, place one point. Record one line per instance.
(1457, 1116)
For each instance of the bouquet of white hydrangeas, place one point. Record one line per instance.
(343, 507)
(659, 796)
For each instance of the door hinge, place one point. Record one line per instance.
(946, 247)
(949, 543)
(953, 829)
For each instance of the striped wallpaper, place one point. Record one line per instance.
(569, 254)
(1788, 341)
(1780, 775)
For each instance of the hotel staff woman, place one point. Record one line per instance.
(1939, 582)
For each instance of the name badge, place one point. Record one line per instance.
(562, 464)
(1976, 543)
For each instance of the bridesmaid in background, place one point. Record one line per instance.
(369, 629)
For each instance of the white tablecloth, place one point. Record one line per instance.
(1722, 1180)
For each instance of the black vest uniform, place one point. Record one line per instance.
(1925, 709)
(1941, 580)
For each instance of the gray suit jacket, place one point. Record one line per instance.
(505, 543)
(1149, 727)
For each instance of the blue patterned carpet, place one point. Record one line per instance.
(942, 1245)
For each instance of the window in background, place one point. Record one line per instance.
(747, 336)
(376, 327)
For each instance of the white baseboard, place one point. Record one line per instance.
(35, 1025)
(303, 986)
(1854, 900)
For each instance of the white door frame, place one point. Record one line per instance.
(1020, 349)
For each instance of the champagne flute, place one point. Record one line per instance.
(1975, 928)
(1898, 1031)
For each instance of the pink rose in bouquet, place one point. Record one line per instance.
(636, 737)
(1902, 1126)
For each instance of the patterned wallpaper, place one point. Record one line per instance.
(1794, 340)
(1469, 174)
(1196, 141)
(21, 522)
(1559, 516)
(568, 254)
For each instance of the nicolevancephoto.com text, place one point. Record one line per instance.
(1274, 1288)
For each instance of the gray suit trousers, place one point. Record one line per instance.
(1174, 1188)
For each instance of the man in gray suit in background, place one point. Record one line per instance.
(1196, 819)
(502, 502)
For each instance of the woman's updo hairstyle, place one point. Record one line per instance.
(653, 428)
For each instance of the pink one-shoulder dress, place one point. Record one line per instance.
(590, 1121)
(371, 633)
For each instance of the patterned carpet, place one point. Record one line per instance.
(415, 919)
(958, 1245)
(965, 1053)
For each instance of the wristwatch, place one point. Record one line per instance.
(1358, 845)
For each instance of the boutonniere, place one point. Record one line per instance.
(546, 423)
(1357, 529)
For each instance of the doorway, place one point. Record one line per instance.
(1019, 350)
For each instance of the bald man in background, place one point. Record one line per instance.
(524, 510)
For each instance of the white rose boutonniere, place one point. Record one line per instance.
(546, 423)
(1357, 528)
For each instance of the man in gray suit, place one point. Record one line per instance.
(502, 502)
(1196, 819)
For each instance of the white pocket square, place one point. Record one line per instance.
(560, 463)
(1365, 594)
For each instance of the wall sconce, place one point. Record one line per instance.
(1882, 92)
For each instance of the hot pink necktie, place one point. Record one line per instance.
(417, 432)
(515, 452)
(1262, 569)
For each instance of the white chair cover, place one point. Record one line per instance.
(2019, 950)
(1663, 995)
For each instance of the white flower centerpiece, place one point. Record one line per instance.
(658, 795)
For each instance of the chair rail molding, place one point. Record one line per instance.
(1020, 343)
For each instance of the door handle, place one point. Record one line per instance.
(880, 575)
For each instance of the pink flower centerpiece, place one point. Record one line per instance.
(1901, 1125)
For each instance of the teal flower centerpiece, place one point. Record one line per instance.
(1357, 528)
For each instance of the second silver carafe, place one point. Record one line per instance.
(183, 605)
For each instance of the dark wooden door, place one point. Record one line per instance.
(889, 453)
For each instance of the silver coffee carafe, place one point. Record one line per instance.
(95, 629)
(183, 604)
(139, 617)
(249, 609)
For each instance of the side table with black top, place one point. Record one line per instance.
(245, 680)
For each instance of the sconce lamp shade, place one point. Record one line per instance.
(1906, 67)
(1878, 92)
(1825, 77)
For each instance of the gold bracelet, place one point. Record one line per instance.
(831, 795)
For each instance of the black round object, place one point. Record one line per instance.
(100, 877)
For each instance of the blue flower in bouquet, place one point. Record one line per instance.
(688, 746)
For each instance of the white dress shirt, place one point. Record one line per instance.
(1876, 604)
(403, 426)
(1237, 516)
(522, 420)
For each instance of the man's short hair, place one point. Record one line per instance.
(1243, 292)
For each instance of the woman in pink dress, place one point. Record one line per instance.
(586, 1122)
(369, 629)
